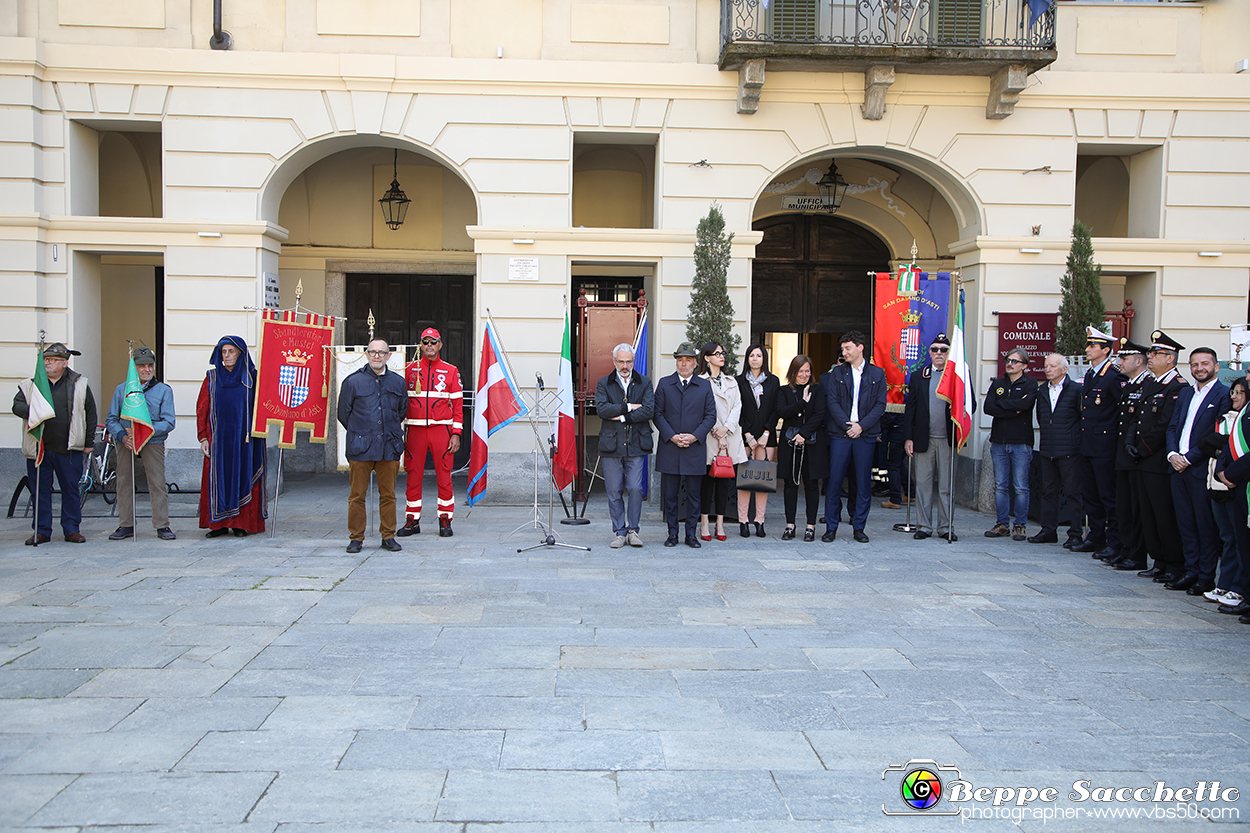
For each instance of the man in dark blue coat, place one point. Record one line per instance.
(1197, 408)
(685, 412)
(1100, 433)
(1059, 435)
(372, 404)
(854, 405)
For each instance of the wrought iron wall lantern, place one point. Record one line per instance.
(394, 202)
(832, 187)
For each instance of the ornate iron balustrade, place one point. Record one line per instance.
(943, 24)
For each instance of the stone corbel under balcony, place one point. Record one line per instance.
(1005, 87)
(877, 79)
(750, 84)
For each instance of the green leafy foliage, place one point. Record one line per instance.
(710, 314)
(1081, 285)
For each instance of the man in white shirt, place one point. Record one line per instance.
(1197, 409)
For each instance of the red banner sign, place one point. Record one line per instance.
(1034, 331)
(293, 375)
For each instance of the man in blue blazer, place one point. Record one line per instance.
(854, 405)
(1197, 409)
(685, 412)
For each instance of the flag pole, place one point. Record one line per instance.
(38, 455)
(950, 498)
(503, 353)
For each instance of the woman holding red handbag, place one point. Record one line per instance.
(724, 442)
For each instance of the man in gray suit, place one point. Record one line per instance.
(685, 412)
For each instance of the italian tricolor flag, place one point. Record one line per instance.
(40, 402)
(565, 466)
(956, 383)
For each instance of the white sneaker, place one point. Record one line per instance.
(633, 540)
(1231, 598)
(1214, 595)
(617, 542)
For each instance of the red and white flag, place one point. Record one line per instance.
(496, 404)
(565, 466)
(956, 384)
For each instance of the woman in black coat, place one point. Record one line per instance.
(758, 421)
(802, 457)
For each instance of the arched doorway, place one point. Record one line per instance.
(809, 285)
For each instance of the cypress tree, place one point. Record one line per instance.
(1082, 304)
(710, 314)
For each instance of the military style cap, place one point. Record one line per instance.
(1132, 348)
(685, 349)
(57, 350)
(940, 338)
(1162, 341)
(1099, 337)
(144, 355)
(430, 332)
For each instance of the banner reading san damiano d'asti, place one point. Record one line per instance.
(911, 308)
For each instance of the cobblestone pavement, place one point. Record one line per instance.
(755, 685)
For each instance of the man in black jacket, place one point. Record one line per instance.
(1059, 437)
(625, 403)
(372, 404)
(1100, 420)
(1148, 446)
(1010, 402)
(927, 437)
(1128, 484)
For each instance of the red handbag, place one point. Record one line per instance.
(722, 466)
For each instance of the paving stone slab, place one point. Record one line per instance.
(360, 798)
(330, 713)
(404, 749)
(154, 682)
(25, 794)
(510, 795)
(277, 750)
(159, 715)
(595, 749)
(700, 796)
(155, 798)
(117, 751)
(64, 716)
(738, 749)
(471, 712)
(649, 713)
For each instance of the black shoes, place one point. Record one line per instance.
(745, 530)
(444, 528)
(1130, 565)
(1086, 546)
(920, 534)
(829, 535)
(413, 527)
(391, 545)
(1106, 554)
(1044, 537)
(217, 533)
(1167, 578)
(1200, 587)
(239, 533)
(809, 535)
(1184, 582)
(1241, 608)
(787, 535)
(692, 541)
(353, 546)
(948, 536)
(1151, 573)
(671, 541)
(759, 531)
(122, 533)
(860, 536)
(166, 534)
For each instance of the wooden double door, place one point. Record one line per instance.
(811, 275)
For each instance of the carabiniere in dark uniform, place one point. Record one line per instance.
(1100, 419)
(1132, 554)
(1148, 445)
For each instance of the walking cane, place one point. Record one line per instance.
(911, 469)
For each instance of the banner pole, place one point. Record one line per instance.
(277, 491)
(39, 464)
(134, 539)
(537, 394)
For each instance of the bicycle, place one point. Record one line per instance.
(100, 474)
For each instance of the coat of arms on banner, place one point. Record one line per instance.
(293, 377)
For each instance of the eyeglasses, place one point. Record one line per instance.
(624, 361)
(378, 353)
(1016, 361)
(429, 341)
(720, 353)
(939, 349)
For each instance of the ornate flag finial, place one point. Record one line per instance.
(371, 321)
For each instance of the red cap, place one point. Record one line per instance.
(430, 332)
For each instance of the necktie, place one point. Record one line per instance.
(684, 382)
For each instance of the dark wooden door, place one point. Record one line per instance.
(404, 305)
(810, 275)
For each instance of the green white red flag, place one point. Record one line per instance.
(956, 384)
(135, 409)
(40, 403)
(565, 465)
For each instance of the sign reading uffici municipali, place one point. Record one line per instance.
(1034, 331)
(809, 203)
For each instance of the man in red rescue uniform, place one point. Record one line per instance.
(435, 420)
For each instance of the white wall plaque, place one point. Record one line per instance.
(522, 268)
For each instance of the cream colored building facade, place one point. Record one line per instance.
(150, 183)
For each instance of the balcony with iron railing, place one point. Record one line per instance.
(946, 37)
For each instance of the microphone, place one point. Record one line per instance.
(541, 386)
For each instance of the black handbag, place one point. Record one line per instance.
(757, 476)
(791, 433)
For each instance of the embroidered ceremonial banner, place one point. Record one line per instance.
(904, 326)
(293, 375)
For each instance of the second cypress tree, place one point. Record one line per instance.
(1082, 304)
(710, 315)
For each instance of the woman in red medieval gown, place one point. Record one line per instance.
(232, 489)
